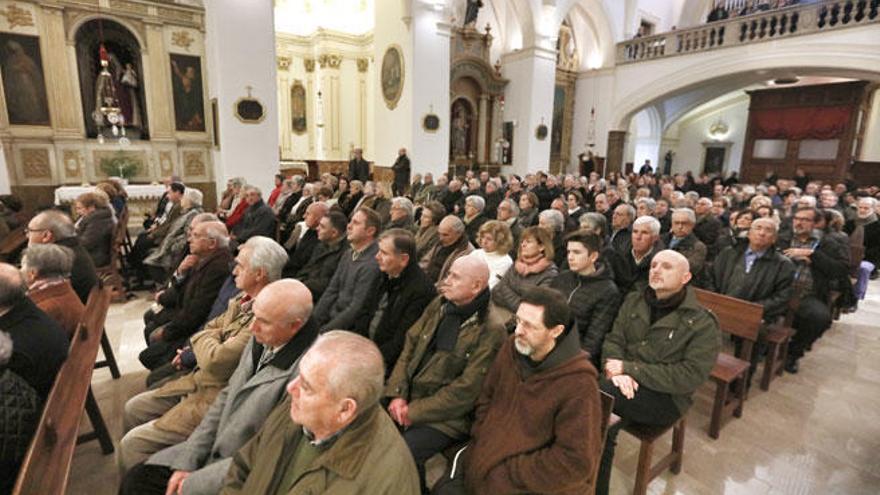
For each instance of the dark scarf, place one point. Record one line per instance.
(453, 316)
(662, 307)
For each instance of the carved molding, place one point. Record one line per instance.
(175, 15)
(193, 163)
(17, 16)
(363, 64)
(72, 163)
(182, 39)
(166, 163)
(127, 6)
(35, 163)
(283, 63)
(309, 64)
(329, 60)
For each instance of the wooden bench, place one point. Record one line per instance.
(777, 339)
(741, 319)
(46, 465)
(648, 435)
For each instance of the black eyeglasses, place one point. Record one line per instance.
(28, 230)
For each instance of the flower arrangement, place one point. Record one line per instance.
(120, 165)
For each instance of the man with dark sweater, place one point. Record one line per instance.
(343, 305)
(661, 349)
(537, 420)
(259, 219)
(403, 293)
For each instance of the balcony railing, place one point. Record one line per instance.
(765, 26)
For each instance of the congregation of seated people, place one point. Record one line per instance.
(334, 337)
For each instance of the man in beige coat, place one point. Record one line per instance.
(159, 418)
(339, 441)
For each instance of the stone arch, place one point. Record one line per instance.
(132, 28)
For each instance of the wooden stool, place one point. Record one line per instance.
(647, 435)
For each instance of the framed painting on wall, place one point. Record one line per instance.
(186, 83)
(299, 123)
(392, 75)
(23, 81)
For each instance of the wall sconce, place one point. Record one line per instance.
(718, 130)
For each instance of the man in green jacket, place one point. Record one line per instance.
(662, 347)
(447, 353)
(339, 441)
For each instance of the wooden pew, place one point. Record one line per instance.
(741, 319)
(778, 337)
(46, 466)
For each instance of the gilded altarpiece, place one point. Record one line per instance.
(59, 146)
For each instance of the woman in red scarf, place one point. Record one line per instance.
(533, 267)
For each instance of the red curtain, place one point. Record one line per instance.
(801, 123)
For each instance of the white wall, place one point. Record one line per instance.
(693, 131)
(528, 99)
(593, 89)
(429, 151)
(871, 144)
(394, 127)
(240, 41)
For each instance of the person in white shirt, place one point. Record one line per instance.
(495, 242)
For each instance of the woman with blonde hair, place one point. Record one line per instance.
(534, 266)
(495, 242)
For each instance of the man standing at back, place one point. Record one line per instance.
(358, 168)
(537, 425)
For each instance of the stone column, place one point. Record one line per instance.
(484, 130)
(158, 94)
(240, 43)
(65, 107)
(614, 155)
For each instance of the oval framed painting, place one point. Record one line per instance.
(391, 76)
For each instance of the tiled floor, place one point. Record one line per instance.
(817, 432)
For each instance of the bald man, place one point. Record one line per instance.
(282, 331)
(662, 347)
(440, 372)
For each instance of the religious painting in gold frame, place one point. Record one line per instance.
(299, 124)
(392, 76)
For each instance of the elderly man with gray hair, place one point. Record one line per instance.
(401, 215)
(186, 303)
(46, 271)
(259, 219)
(55, 227)
(331, 417)
(631, 273)
(452, 244)
(165, 416)
(681, 239)
(282, 331)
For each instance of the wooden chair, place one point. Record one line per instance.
(741, 319)
(46, 465)
(648, 436)
(12, 245)
(777, 339)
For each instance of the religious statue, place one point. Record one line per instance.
(470, 15)
(131, 107)
(459, 134)
(667, 162)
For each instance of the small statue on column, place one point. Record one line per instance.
(470, 15)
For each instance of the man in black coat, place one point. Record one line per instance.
(39, 344)
(401, 170)
(404, 292)
(55, 227)
(188, 300)
(321, 266)
(817, 263)
(708, 227)
(304, 238)
(259, 219)
(358, 168)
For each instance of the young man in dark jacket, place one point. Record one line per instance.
(319, 270)
(661, 349)
(590, 292)
(537, 424)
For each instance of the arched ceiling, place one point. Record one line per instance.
(304, 17)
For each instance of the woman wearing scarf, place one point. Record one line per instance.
(534, 266)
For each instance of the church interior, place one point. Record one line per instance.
(217, 134)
